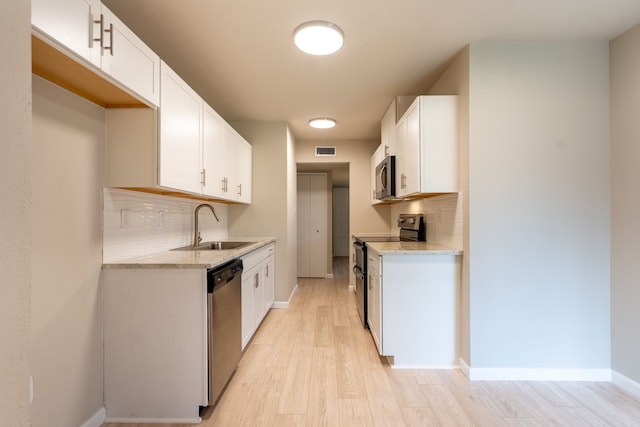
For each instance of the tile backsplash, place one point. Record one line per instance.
(137, 224)
(442, 214)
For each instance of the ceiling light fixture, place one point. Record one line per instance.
(322, 123)
(318, 37)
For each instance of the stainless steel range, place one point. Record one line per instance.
(412, 228)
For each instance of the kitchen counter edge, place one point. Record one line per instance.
(185, 259)
(412, 248)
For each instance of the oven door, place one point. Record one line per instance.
(360, 273)
(361, 294)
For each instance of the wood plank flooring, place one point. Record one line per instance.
(314, 365)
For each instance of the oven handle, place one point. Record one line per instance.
(358, 272)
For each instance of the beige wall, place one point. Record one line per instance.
(66, 257)
(273, 201)
(625, 245)
(15, 189)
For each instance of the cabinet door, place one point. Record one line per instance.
(388, 131)
(213, 153)
(408, 152)
(70, 23)
(374, 307)
(250, 278)
(269, 283)
(128, 60)
(243, 170)
(258, 297)
(376, 158)
(180, 118)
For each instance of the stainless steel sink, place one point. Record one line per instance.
(214, 246)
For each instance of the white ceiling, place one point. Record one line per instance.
(239, 54)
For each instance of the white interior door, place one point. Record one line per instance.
(312, 225)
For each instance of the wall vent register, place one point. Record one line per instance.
(325, 151)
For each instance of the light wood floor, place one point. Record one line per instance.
(314, 365)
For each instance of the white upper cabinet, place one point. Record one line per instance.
(376, 158)
(128, 60)
(227, 160)
(88, 30)
(70, 23)
(427, 147)
(214, 153)
(180, 134)
(388, 130)
(244, 165)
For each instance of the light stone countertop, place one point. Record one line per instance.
(411, 248)
(190, 259)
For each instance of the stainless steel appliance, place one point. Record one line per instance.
(386, 178)
(412, 228)
(224, 314)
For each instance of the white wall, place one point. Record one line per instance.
(15, 193)
(625, 245)
(539, 191)
(137, 224)
(66, 258)
(272, 211)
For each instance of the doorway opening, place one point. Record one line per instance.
(323, 217)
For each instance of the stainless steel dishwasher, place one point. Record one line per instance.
(224, 314)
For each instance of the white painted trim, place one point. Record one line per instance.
(433, 367)
(464, 367)
(328, 276)
(96, 419)
(197, 420)
(285, 304)
(538, 374)
(625, 383)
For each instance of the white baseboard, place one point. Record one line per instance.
(534, 374)
(97, 419)
(625, 383)
(328, 276)
(285, 304)
(155, 420)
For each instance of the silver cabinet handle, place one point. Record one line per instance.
(110, 47)
(203, 177)
(101, 22)
(239, 189)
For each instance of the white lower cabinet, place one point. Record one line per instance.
(414, 309)
(374, 295)
(155, 344)
(258, 282)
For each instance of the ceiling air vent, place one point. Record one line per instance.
(325, 151)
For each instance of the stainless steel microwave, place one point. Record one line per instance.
(386, 178)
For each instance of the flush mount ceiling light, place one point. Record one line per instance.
(322, 123)
(318, 37)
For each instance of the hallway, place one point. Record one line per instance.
(314, 365)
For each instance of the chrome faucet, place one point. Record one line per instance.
(196, 233)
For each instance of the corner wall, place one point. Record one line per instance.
(272, 211)
(66, 256)
(625, 245)
(539, 206)
(15, 193)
